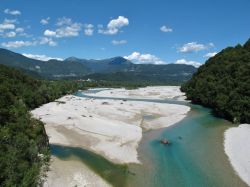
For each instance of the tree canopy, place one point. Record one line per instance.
(223, 83)
(24, 148)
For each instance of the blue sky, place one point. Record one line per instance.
(144, 31)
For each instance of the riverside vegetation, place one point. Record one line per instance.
(24, 148)
(223, 83)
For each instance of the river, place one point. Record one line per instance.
(195, 158)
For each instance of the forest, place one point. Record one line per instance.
(24, 148)
(223, 83)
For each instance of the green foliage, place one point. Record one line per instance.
(48, 69)
(24, 148)
(148, 74)
(117, 69)
(223, 83)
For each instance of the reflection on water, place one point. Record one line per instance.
(113, 173)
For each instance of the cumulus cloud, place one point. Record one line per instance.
(139, 58)
(49, 41)
(21, 43)
(49, 33)
(194, 47)
(45, 21)
(12, 12)
(184, 61)
(164, 28)
(66, 28)
(10, 34)
(119, 42)
(6, 26)
(209, 55)
(17, 44)
(8, 29)
(63, 21)
(41, 57)
(88, 29)
(114, 26)
(69, 31)
(19, 30)
(10, 21)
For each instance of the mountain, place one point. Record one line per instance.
(103, 66)
(51, 68)
(148, 73)
(119, 67)
(223, 83)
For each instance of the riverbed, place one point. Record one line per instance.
(196, 156)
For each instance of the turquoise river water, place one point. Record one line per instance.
(195, 158)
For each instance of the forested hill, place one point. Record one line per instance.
(120, 68)
(22, 139)
(223, 83)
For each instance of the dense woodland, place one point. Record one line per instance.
(24, 143)
(223, 83)
(24, 149)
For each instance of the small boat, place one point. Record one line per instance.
(165, 142)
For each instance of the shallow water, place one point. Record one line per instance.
(113, 173)
(195, 158)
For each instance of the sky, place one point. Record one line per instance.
(143, 31)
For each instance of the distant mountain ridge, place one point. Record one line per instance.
(103, 66)
(51, 68)
(76, 68)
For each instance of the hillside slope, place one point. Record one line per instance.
(149, 74)
(49, 69)
(23, 141)
(74, 68)
(223, 83)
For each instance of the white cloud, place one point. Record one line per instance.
(164, 28)
(194, 47)
(119, 42)
(17, 44)
(12, 12)
(114, 26)
(41, 57)
(6, 26)
(139, 58)
(63, 21)
(10, 20)
(184, 61)
(19, 30)
(209, 55)
(49, 41)
(10, 34)
(35, 42)
(68, 31)
(88, 29)
(66, 28)
(50, 33)
(45, 21)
